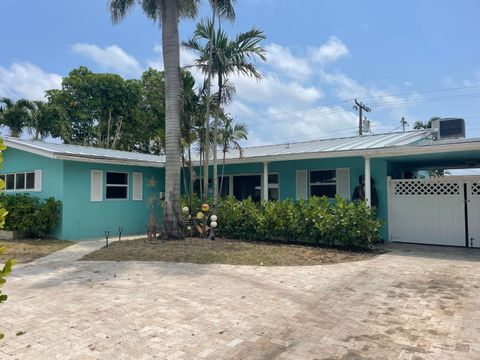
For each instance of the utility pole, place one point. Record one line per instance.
(359, 106)
(404, 123)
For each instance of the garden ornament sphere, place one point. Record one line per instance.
(189, 228)
(185, 210)
(200, 215)
(205, 207)
(213, 224)
(213, 218)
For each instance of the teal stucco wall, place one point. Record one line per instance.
(20, 161)
(70, 182)
(86, 219)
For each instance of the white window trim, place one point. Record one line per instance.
(137, 177)
(270, 186)
(117, 185)
(25, 189)
(310, 184)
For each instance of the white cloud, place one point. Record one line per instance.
(284, 124)
(331, 51)
(25, 80)
(273, 90)
(111, 58)
(281, 58)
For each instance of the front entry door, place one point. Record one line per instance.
(473, 210)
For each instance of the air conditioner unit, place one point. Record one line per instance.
(448, 128)
(366, 125)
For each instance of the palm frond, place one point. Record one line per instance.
(119, 9)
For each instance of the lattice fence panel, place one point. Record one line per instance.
(426, 188)
(476, 189)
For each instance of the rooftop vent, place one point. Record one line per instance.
(448, 128)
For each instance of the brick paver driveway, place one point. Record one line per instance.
(412, 303)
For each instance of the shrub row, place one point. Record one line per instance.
(29, 215)
(317, 221)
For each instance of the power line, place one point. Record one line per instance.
(422, 92)
(375, 105)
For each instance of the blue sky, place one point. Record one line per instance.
(411, 58)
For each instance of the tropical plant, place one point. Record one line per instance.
(225, 9)
(167, 14)
(316, 221)
(7, 267)
(15, 115)
(221, 56)
(40, 122)
(229, 136)
(31, 216)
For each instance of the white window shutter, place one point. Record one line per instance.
(343, 182)
(302, 189)
(38, 181)
(137, 186)
(96, 190)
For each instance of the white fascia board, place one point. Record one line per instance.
(29, 149)
(102, 160)
(90, 159)
(370, 153)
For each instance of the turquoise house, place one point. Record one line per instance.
(102, 190)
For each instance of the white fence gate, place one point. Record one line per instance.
(440, 211)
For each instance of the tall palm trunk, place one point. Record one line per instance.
(223, 170)
(215, 135)
(172, 225)
(207, 122)
(191, 170)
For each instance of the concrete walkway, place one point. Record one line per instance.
(412, 303)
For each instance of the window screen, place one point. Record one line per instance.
(117, 185)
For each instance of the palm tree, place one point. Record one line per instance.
(40, 123)
(167, 14)
(224, 8)
(228, 56)
(15, 115)
(229, 136)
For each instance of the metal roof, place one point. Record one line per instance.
(391, 144)
(85, 153)
(357, 143)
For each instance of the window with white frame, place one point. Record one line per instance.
(323, 183)
(21, 181)
(117, 186)
(273, 187)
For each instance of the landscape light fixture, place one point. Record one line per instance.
(107, 234)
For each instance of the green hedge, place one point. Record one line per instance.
(317, 221)
(29, 215)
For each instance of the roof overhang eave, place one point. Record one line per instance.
(107, 160)
(393, 151)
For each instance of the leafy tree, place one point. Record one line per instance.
(228, 56)
(14, 114)
(167, 13)
(98, 110)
